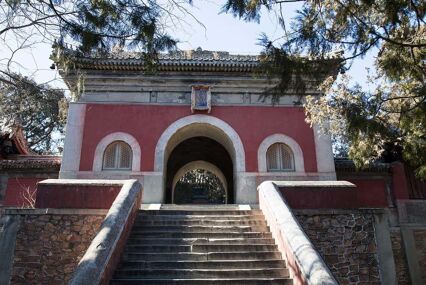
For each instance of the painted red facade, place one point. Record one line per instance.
(147, 122)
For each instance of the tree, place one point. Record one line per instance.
(385, 123)
(40, 109)
(90, 25)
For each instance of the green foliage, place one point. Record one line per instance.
(385, 123)
(40, 109)
(92, 26)
(103, 23)
(201, 182)
(297, 70)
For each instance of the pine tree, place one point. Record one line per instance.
(386, 123)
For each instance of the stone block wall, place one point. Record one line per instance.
(400, 259)
(346, 241)
(420, 243)
(49, 246)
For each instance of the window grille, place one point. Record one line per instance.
(117, 156)
(279, 157)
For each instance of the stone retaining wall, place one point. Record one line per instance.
(420, 241)
(346, 241)
(401, 266)
(49, 246)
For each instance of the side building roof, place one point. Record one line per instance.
(15, 153)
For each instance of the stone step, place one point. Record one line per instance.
(205, 235)
(223, 281)
(201, 273)
(201, 212)
(203, 207)
(200, 222)
(190, 229)
(230, 264)
(145, 216)
(200, 248)
(182, 241)
(258, 255)
(191, 245)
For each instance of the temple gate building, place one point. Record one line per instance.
(200, 110)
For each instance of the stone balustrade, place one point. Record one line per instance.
(103, 254)
(305, 264)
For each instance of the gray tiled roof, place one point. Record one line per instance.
(194, 60)
(31, 162)
(189, 60)
(347, 165)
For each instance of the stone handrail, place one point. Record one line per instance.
(305, 264)
(103, 254)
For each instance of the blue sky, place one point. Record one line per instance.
(226, 33)
(221, 32)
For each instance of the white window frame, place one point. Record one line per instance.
(118, 136)
(298, 158)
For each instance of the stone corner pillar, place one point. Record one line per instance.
(324, 155)
(73, 140)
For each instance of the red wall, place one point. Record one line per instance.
(18, 189)
(399, 181)
(76, 196)
(147, 122)
(369, 193)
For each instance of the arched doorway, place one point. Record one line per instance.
(205, 159)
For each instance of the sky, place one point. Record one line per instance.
(218, 32)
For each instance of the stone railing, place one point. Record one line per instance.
(103, 254)
(305, 264)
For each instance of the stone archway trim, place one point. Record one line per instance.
(118, 136)
(299, 163)
(232, 135)
(200, 164)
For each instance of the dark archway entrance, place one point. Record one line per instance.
(200, 149)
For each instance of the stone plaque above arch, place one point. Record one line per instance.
(201, 98)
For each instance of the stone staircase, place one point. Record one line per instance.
(201, 245)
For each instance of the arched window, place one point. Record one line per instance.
(117, 156)
(279, 157)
